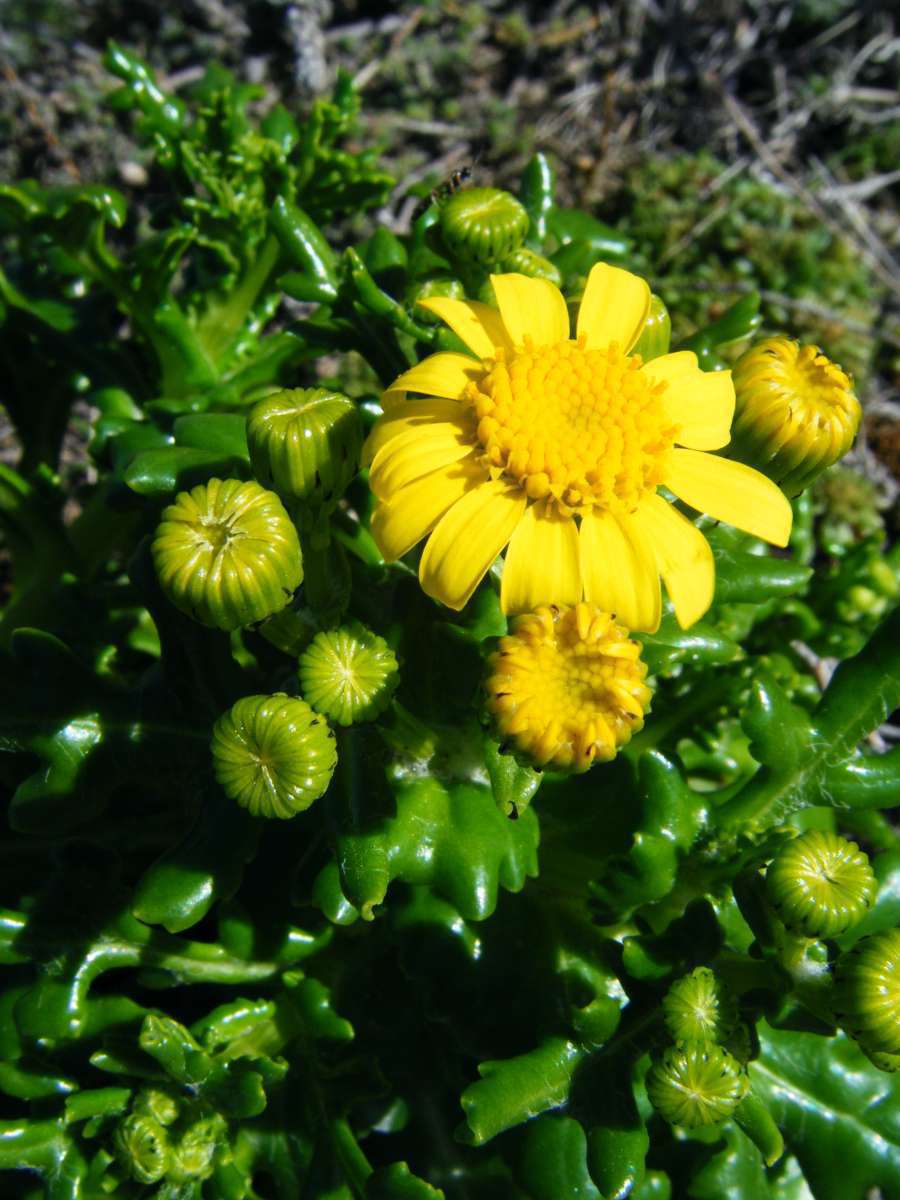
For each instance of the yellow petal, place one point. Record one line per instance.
(700, 402)
(416, 509)
(467, 539)
(683, 556)
(732, 492)
(619, 570)
(478, 325)
(412, 414)
(541, 564)
(613, 308)
(437, 375)
(532, 308)
(417, 452)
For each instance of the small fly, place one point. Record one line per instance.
(443, 191)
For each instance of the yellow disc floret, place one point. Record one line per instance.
(583, 426)
(566, 687)
(796, 411)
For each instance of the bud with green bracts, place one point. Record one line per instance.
(227, 553)
(820, 884)
(305, 443)
(442, 286)
(699, 1008)
(528, 262)
(696, 1084)
(349, 674)
(483, 225)
(867, 992)
(273, 754)
(795, 415)
(142, 1147)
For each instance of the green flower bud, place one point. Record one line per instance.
(699, 1008)
(878, 1058)
(194, 1153)
(867, 991)
(143, 1148)
(656, 336)
(820, 884)
(273, 754)
(795, 413)
(451, 288)
(305, 443)
(696, 1084)
(157, 1103)
(526, 262)
(349, 674)
(227, 553)
(483, 225)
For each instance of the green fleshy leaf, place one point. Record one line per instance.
(397, 1182)
(552, 1160)
(839, 1115)
(799, 754)
(701, 645)
(158, 473)
(734, 1173)
(671, 817)
(515, 1089)
(220, 433)
(451, 836)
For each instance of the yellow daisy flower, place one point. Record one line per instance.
(556, 447)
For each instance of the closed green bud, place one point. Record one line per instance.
(656, 336)
(867, 992)
(273, 754)
(157, 1103)
(795, 415)
(305, 443)
(820, 884)
(193, 1156)
(227, 553)
(527, 262)
(699, 1008)
(483, 225)
(441, 287)
(143, 1148)
(878, 1058)
(696, 1084)
(349, 674)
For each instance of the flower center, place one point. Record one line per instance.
(584, 427)
(567, 686)
(820, 385)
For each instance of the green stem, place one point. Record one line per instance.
(223, 320)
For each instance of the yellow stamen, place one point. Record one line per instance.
(585, 426)
(566, 686)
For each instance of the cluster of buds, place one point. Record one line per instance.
(699, 1079)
